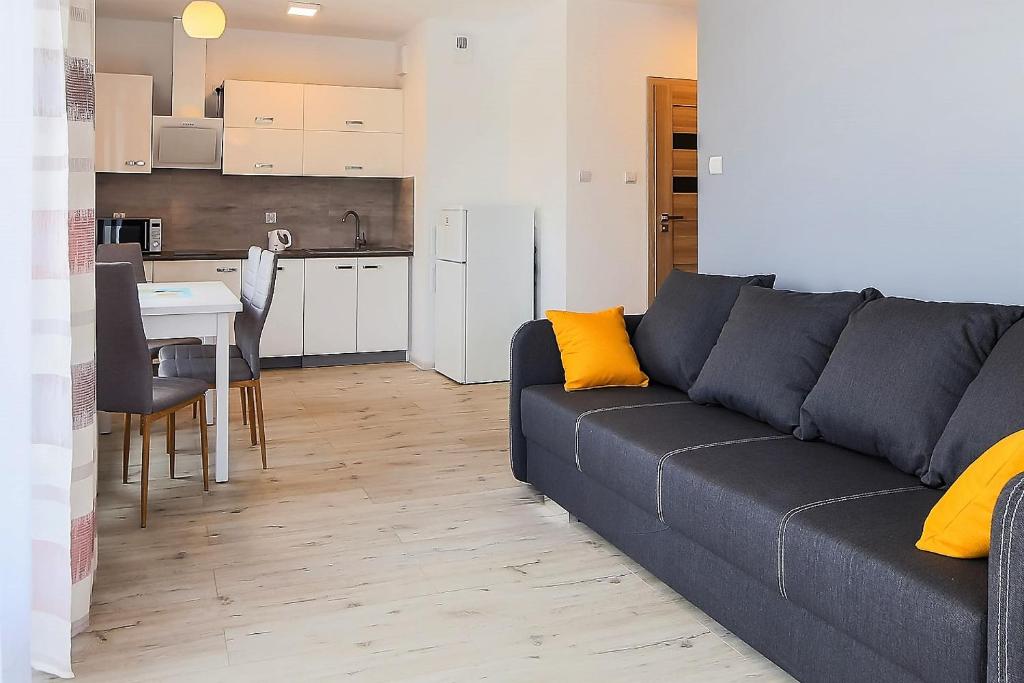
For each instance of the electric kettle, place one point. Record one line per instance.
(279, 240)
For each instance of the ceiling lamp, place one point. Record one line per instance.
(303, 9)
(203, 19)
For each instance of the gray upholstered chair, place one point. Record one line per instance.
(124, 375)
(132, 253)
(259, 274)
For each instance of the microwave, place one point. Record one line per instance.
(146, 232)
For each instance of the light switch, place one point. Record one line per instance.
(715, 165)
(586, 176)
(631, 177)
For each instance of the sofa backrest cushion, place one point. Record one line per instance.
(772, 351)
(991, 409)
(897, 374)
(682, 325)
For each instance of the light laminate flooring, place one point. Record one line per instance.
(388, 541)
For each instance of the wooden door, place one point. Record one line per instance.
(672, 154)
(124, 123)
(383, 311)
(329, 322)
(254, 104)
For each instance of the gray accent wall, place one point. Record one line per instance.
(865, 142)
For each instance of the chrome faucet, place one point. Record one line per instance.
(360, 240)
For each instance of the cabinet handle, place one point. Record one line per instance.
(354, 123)
(262, 164)
(353, 168)
(264, 119)
(370, 267)
(280, 268)
(227, 270)
(343, 267)
(134, 162)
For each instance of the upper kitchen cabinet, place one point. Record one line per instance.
(367, 110)
(257, 104)
(124, 123)
(251, 151)
(371, 155)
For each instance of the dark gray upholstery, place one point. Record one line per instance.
(535, 340)
(132, 253)
(897, 374)
(259, 275)
(124, 374)
(200, 362)
(123, 253)
(804, 549)
(992, 408)
(1006, 593)
(772, 351)
(678, 332)
(806, 646)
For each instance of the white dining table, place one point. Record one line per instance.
(196, 309)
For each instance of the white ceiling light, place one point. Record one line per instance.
(203, 19)
(303, 9)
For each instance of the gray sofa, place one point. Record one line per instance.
(791, 515)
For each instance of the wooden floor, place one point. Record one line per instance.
(387, 542)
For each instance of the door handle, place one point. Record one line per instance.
(264, 119)
(344, 267)
(227, 270)
(262, 164)
(353, 168)
(370, 267)
(354, 123)
(666, 219)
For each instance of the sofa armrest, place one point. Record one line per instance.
(535, 360)
(1006, 587)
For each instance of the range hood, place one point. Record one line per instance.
(187, 138)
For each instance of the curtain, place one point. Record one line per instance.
(63, 402)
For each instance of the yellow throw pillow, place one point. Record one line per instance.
(595, 350)
(960, 524)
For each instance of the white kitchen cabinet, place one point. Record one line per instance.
(382, 322)
(228, 271)
(251, 151)
(282, 333)
(260, 104)
(124, 123)
(330, 153)
(329, 325)
(339, 108)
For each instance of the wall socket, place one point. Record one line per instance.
(118, 214)
(271, 217)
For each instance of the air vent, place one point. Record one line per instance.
(461, 42)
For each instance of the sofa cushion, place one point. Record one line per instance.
(992, 408)
(772, 350)
(550, 414)
(897, 374)
(682, 325)
(625, 449)
(842, 527)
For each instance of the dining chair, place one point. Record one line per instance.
(132, 253)
(198, 361)
(124, 375)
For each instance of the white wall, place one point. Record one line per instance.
(144, 47)
(613, 46)
(866, 143)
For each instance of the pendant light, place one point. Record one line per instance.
(203, 19)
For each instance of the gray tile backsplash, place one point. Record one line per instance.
(208, 210)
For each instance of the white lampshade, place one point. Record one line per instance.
(203, 19)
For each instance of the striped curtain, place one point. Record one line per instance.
(63, 331)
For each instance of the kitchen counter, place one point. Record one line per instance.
(214, 254)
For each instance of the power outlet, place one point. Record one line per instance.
(271, 217)
(118, 214)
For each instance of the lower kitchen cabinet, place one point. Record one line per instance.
(282, 333)
(329, 325)
(382, 317)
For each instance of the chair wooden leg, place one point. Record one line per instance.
(258, 392)
(204, 442)
(252, 414)
(126, 451)
(242, 393)
(170, 441)
(145, 467)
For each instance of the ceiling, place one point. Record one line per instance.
(380, 19)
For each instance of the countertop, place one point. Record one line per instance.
(217, 254)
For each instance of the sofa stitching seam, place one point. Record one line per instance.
(786, 518)
(1002, 642)
(579, 420)
(697, 447)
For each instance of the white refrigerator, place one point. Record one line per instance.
(484, 289)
